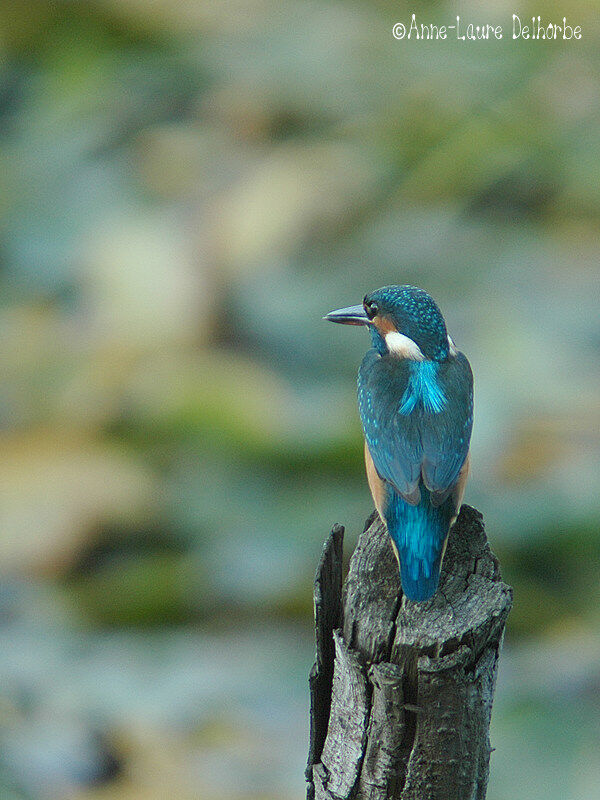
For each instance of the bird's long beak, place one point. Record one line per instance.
(353, 315)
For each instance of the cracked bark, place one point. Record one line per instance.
(401, 693)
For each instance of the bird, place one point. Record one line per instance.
(415, 400)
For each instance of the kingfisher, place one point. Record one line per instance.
(415, 398)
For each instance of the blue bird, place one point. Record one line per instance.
(415, 397)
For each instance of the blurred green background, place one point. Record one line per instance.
(186, 188)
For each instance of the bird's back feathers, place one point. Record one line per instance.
(417, 418)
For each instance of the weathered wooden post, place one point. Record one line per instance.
(401, 693)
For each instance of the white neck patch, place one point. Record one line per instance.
(403, 346)
(452, 346)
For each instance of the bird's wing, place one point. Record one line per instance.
(406, 447)
(446, 435)
(394, 440)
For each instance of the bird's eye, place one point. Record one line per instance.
(370, 308)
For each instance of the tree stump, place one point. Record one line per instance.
(402, 692)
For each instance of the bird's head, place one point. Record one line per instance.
(403, 321)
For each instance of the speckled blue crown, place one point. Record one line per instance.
(415, 314)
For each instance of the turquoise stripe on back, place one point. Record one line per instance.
(423, 389)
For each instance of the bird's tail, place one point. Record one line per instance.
(419, 534)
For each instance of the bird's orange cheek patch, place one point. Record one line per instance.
(384, 325)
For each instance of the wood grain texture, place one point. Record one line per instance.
(402, 692)
(328, 617)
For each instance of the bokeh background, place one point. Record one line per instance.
(186, 188)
